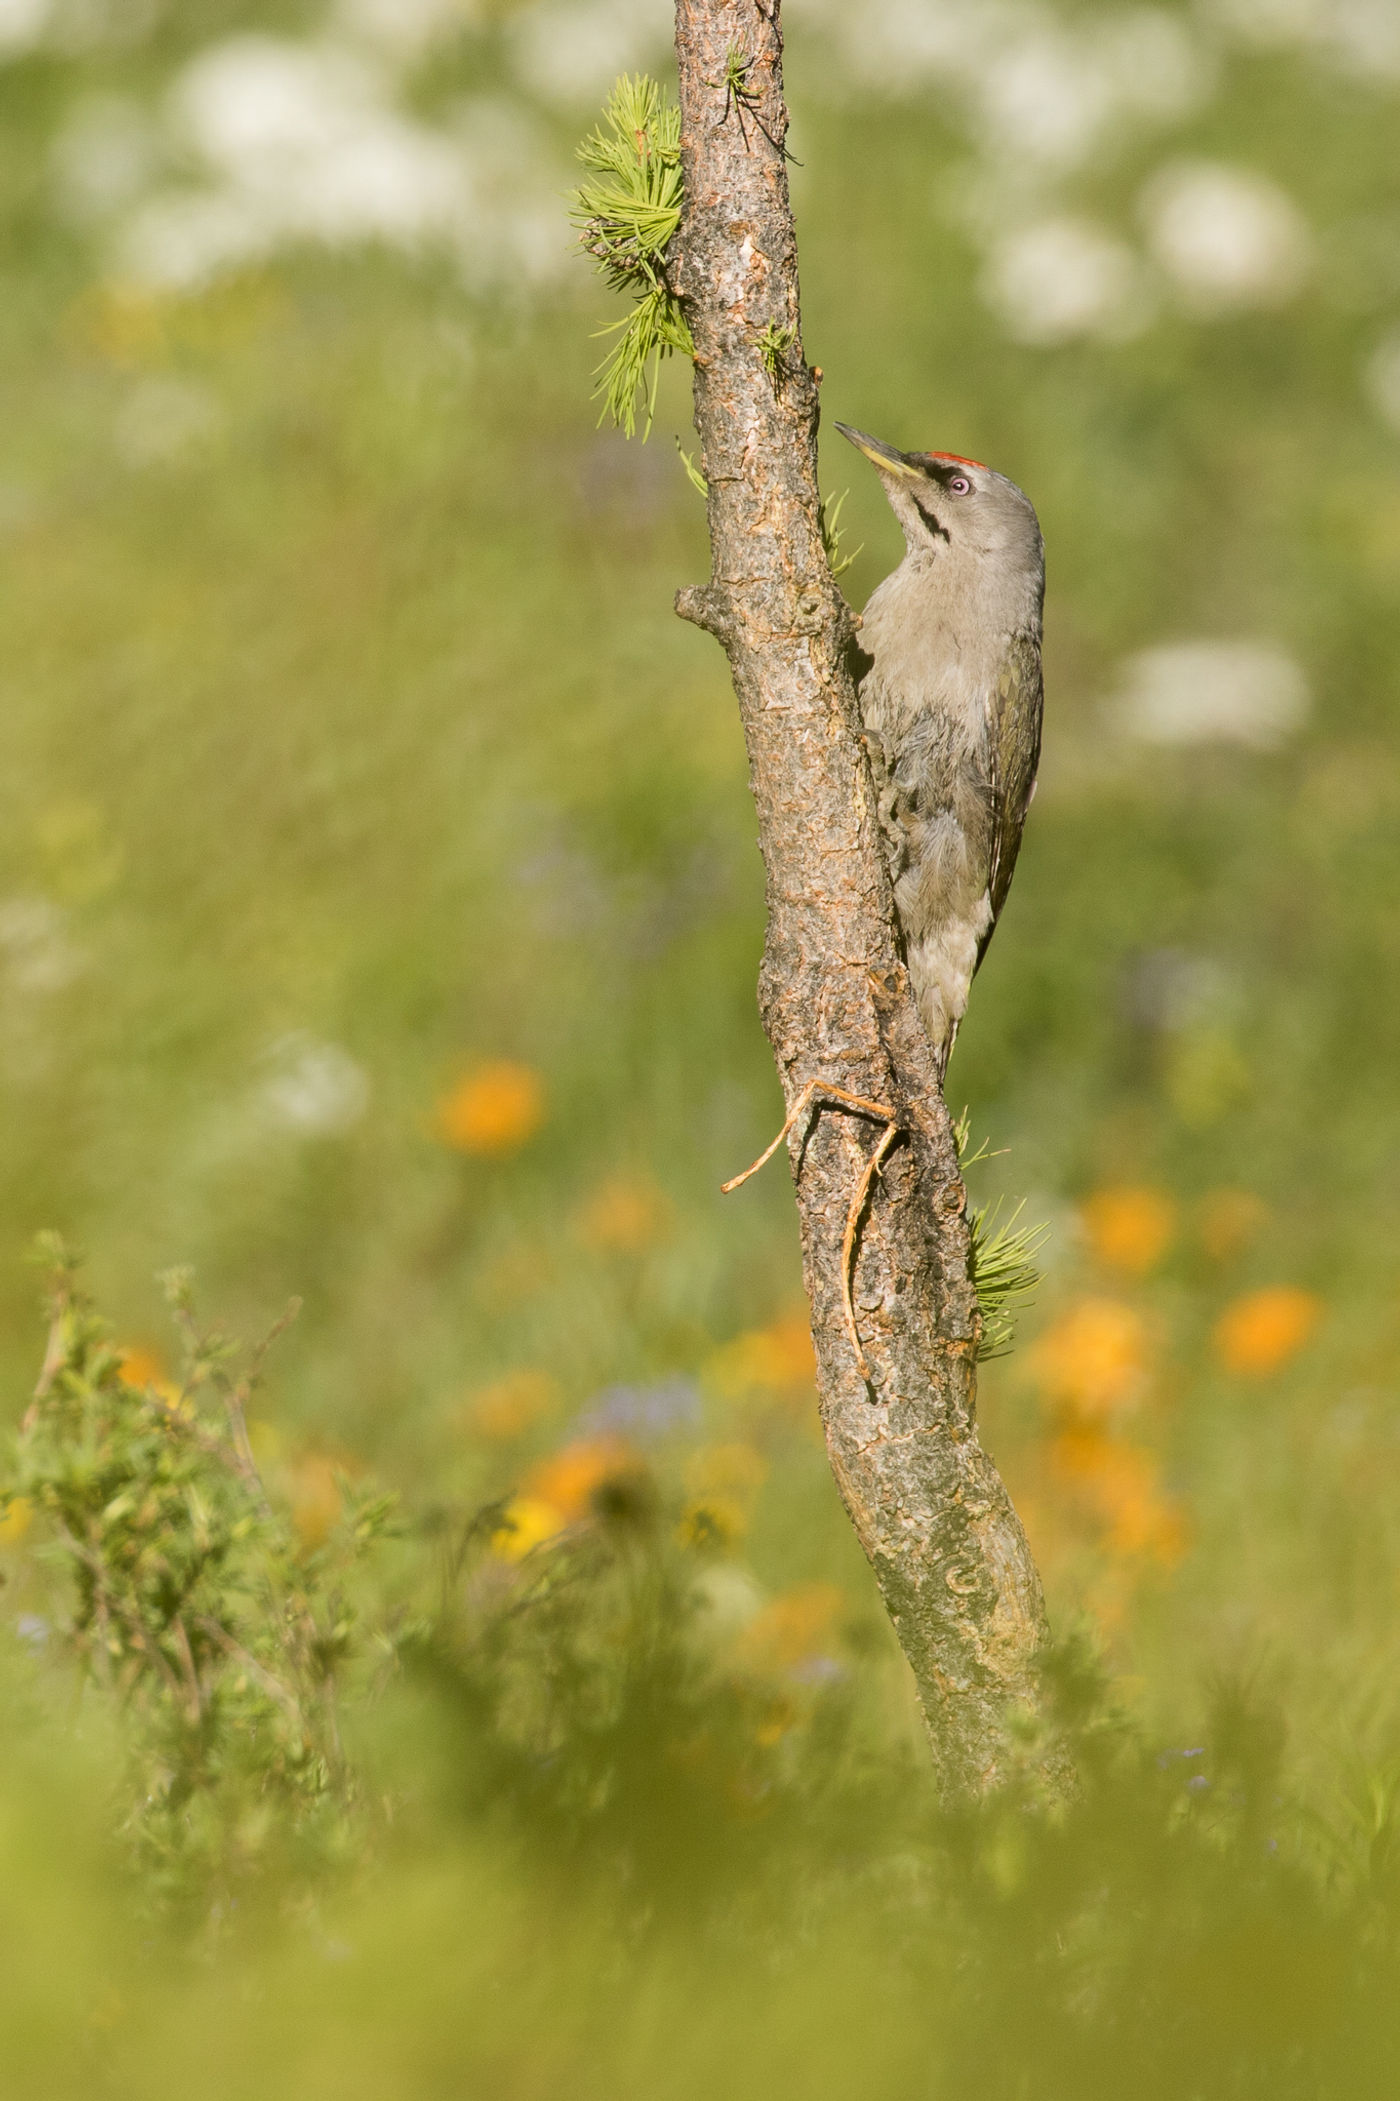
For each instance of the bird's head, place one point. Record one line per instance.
(947, 503)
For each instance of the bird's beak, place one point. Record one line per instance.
(879, 454)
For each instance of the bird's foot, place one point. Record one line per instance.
(815, 1092)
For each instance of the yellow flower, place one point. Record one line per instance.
(1129, 1229)
(123, 324)
(15, 1520)
(1229, 1219)
(779, 1718)
(626, 1216)
(725, 1469)
(512, 1404)
(1093, 1361)
(723, 1480)
(493, 1110)
(712, 1521)
(526, 1523)
(1261, 1331)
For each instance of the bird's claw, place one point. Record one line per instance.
(817, 1091)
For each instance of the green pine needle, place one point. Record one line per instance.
(1004, 1272)
(829, 518)
(627, 212)
(774, 346)
(692, 472)
(1004, 1275)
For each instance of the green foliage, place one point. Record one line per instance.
(605, 1702)
(774, 347)
(225, 854)
(737, 67)
(627, 213)
(1004, 1272)
(692, 472)
(619, 1800)
(195, 1607)
(829, 518)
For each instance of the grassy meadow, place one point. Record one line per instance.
(379, 920)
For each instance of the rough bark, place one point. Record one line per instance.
(947, 1549)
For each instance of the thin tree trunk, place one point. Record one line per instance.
(927, 1503)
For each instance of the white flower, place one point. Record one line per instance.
(180, 239)
(1382, 379)
(22, 23)
(164, 420)
(1204, 692)
(1361, 37)
(302, 142)
(1064, 278)
(1228, 237)
(306, 134)
(316, 1088)
(1053, 95)
(35, 949)
(1035, 86)
(572, 52)
(404, 28)
(103, 156)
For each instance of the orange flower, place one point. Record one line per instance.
(797, 1624)
(313, 1495)
(626, 1216)
(145, 1370)
(493, 1110)
(1229, 1219)
(512, 1404)
(1093, 1361)
(1120, 1483)
(777, 1360)
(570, 1480)
(1261, 1331)
(1129, 1229)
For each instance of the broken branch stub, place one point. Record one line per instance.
(883, 1217)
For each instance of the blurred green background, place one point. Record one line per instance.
(380, 910)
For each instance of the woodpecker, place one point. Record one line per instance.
(948, 669)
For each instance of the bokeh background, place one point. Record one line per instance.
(379, 903)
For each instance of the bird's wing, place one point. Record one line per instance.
(1014, 740)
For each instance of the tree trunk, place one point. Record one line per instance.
(898, 1395)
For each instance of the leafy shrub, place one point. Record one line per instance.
(192, 1600)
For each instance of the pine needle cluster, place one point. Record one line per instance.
(1005, 1276)
(627, 212)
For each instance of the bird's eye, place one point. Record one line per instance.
(959, 485)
